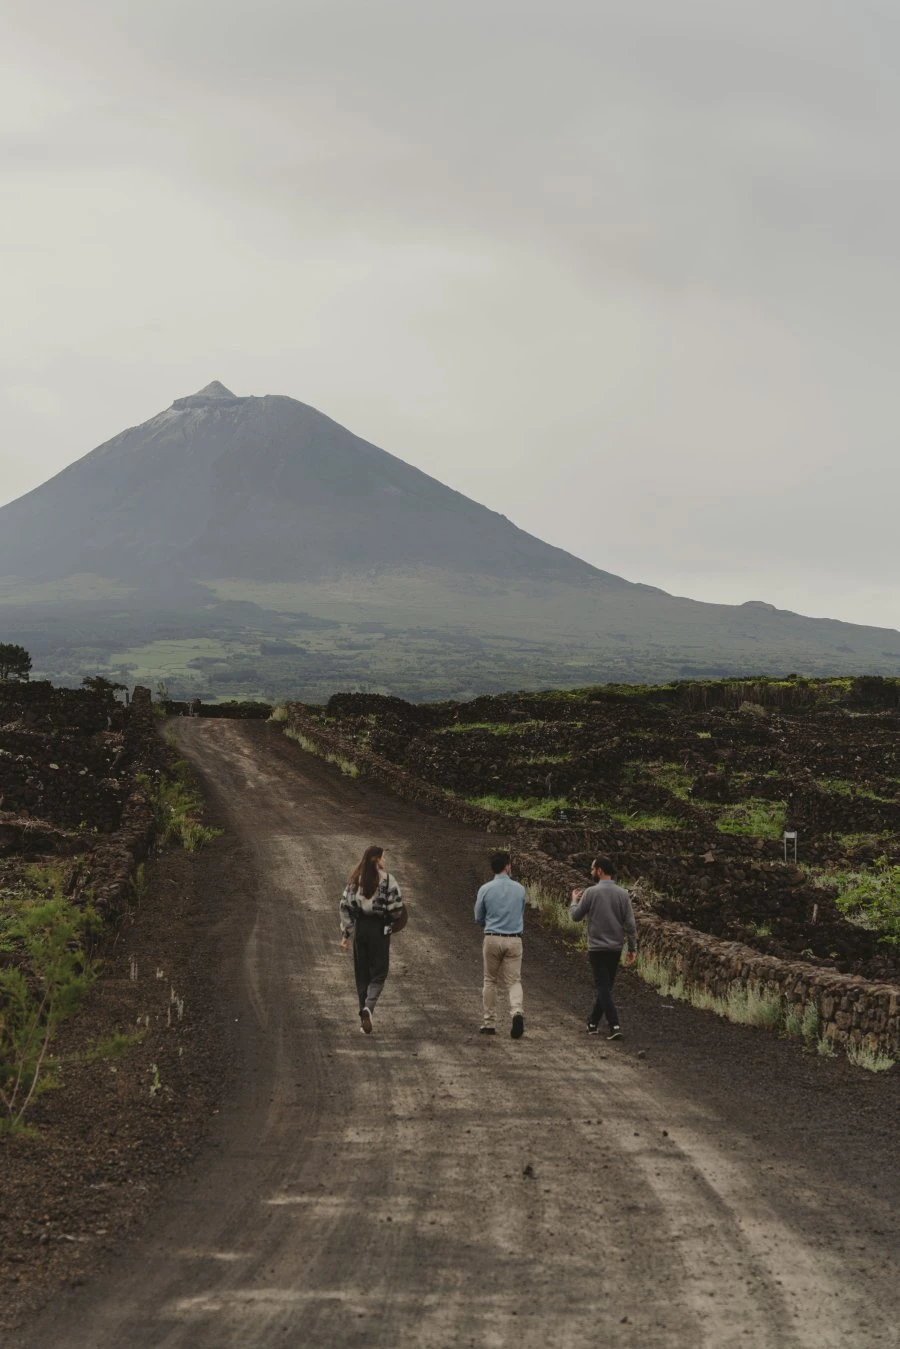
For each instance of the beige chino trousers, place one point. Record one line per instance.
(502, 962)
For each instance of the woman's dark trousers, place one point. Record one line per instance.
(603, 966)
(371, 958)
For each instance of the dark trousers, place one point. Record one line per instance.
(371, 958)
(603, 967)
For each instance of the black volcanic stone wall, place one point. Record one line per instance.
(69, 761)
(730, 885)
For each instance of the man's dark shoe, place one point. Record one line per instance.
(615, 1034)
(518, 1026)
(592, 1029)
(487, 1030)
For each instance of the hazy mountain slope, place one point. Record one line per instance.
(239, 521)
(265, 489)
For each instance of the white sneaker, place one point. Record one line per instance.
(365, 1017)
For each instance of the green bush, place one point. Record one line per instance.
(177, 804)
(872, 899)
(46, 985)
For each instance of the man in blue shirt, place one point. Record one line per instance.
(500, 910)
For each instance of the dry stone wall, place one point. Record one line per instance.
(69, 760)
(852, 1010)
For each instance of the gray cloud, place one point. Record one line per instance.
(627, 272)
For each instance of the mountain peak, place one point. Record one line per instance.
(214, 390)
(213, 394)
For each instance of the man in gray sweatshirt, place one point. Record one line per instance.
(610, 922)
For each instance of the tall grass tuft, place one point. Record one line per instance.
(554, 912)
(864, 1057)
(754, 1007)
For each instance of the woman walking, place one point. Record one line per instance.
(370, 905)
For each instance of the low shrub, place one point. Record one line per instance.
(42, 988)
(176, 804)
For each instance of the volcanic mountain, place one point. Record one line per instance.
(237, 530)
(260, 489)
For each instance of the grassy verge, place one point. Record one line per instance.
(554, 913)
(177, 807)
(747, 1005)
(351, 770)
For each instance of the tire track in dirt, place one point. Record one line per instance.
(373, 1191)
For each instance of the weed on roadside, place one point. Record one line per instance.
(350, 770)
(46, 985)
(864, 1057)
(176, 804)
(554, 912)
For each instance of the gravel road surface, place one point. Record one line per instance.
(697, 1184)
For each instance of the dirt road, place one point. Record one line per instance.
(426, 1186)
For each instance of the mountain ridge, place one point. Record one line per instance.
(254, 515)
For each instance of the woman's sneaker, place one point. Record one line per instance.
(592, 1029)
(365, 1018)
(615, 1033)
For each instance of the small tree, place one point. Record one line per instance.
(37, 995)
(14, 661)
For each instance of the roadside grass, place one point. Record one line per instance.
(747, 1005)
(350, 770)
(279, 713)
(554, 912)
(177, 805)
(755, 816)
(864, 1057)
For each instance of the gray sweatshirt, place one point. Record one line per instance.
(610, 917)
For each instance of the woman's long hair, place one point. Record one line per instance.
(366, 877)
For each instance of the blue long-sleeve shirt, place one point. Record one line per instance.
(500, 906)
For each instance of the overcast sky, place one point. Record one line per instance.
(627, 272)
